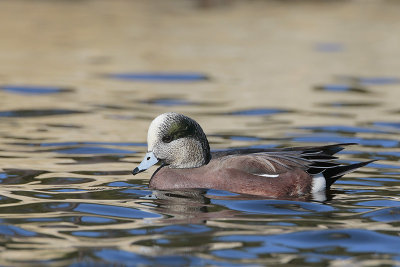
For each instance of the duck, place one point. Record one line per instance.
(181, 146)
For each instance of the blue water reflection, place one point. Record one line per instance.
(168, 102)
(93, 150)
(107, 210)
(258, 112)
(380, 203)
(51, 144)
(379, 80)
(329, 47)
(345, 88)
(282, 207)
(96, 219)
(387, 124)
(181, 229)
(12, 230)
(33, 90)
(342, 129)
(122, 257)
(391, 214)
(325, 241)
(27, 113)
(330, 138)
(160, 76)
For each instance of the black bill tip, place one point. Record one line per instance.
(136, 171)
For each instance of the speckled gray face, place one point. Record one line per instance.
(177, 141)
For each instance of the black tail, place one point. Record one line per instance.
(332, 174)
(324, 150)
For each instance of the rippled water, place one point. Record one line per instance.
(78, 90)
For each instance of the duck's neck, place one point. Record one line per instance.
(206, 153)
(192, 154)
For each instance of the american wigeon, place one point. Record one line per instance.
(181, 146)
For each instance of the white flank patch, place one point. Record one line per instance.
(318, 183)
(269, 175)
(319, 196)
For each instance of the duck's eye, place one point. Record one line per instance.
(167, 139)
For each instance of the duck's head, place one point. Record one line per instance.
(175, 140)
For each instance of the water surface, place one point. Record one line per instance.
(78, 90)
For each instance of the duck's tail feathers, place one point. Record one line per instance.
(326, 150)
(332, 174)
